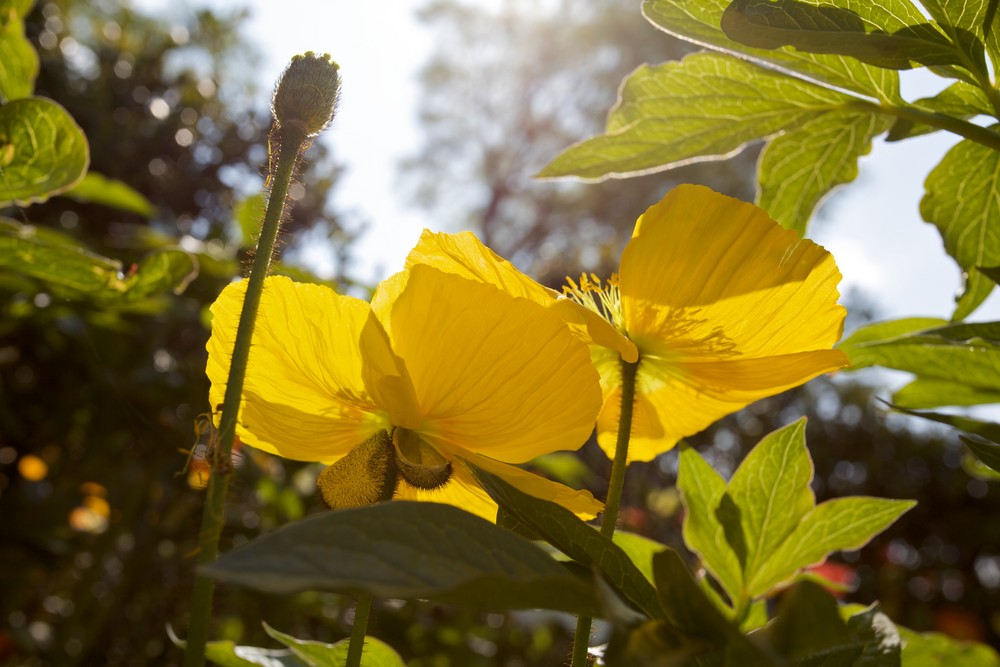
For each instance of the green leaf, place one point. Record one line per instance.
(228, 654)
(699, 21)
(702, 489)
(987, 451)
(932, 649)
(802, 165)
(71, 271)
(810, 629)
(959, 100)
(318, 654)
(964, 23)
(563, 530)
(18, 59)
(984, 429)
(840, 524)
(968, 353)
(640, 550)
(991, 272)
(924, 393)
(960, 200)
(704, 106)
(876, 36)
(407, 550)
(688, 609)
(771, 493)
(43, 152)
(98, 189)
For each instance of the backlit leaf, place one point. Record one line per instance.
(771, 493)
(960, 100)
(960, 200)
(841, 524)
(702, 489)
(43, 152)
(407, 550)
(866, 31)
(967, 353)
(376, 653)
(700, 21)
(925, 393)
(18, 59)
(802, 165)
(933, 649)
(702, 107)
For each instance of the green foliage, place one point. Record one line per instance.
(70, 271)
(18, 60)
(934, 649)
(560, 528)
(317, 654)
(407, 550)
(942, 357)
(98, 189)
(763, 529)
(43, 152)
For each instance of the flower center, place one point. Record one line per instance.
(418, 463)
(605, 299)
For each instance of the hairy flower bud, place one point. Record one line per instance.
(307, 93)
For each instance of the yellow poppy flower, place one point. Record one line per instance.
(400, 394)
(719, 304)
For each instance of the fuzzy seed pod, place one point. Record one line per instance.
(307, 93)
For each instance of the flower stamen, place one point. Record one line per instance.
(605, 299)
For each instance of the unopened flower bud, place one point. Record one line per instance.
(307, 93)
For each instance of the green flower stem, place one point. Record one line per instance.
(290, 141)
(581, 639)
(357, 645)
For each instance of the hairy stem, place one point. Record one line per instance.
(615, 485)
(290, 142)
(357, 645)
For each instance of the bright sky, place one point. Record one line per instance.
(872, 226)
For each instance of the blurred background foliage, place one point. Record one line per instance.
(99, 502)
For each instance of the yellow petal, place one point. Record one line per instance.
(493, 374)
(304, 396)
(675, 402)
(581, 503)
(461, 490)
(708, 276)
(464, 255)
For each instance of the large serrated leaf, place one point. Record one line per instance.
(802, 165)
(866, 32)
(43, 152)
(563, 530)
(961, 201)
(705, 106)
(702, 489)
(407, 549)
(967, 353)
(840, 524)
(964, 23)
(699, 21)
(319, 654)
(18, 59)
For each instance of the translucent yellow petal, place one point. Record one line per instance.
(675, 402)
(581, 503)
(707, 276)
(493, 374)
(461, 490)
(304, 396)
(464, 255)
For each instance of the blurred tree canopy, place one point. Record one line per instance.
(507, 87)
(96, 539)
